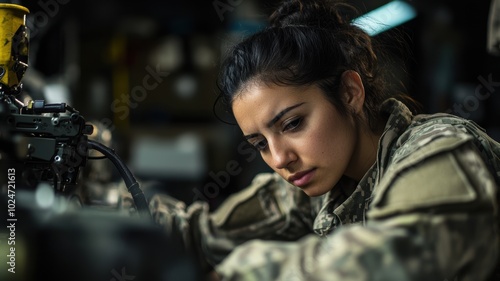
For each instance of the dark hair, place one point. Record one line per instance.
(306, 43)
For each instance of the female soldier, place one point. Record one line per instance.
(362, 189)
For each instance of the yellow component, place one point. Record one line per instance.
(13, 44)
(121, 81)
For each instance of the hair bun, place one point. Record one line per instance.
(324, 14)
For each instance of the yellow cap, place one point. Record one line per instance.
(13, 44)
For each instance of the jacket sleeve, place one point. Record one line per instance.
(268, 209)
(433, 217)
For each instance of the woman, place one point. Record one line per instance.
(363, 189)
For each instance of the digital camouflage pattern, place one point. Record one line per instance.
(426, 210)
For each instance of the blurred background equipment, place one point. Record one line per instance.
(494, 28)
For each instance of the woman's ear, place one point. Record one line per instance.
(353, 91)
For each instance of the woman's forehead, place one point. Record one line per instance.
(260, 102)
(260, 89)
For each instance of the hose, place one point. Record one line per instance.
(132, 185)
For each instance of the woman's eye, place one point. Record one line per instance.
(292, 125)
(260, 145)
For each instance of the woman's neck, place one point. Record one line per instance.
(364, 155)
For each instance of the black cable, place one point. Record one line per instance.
(96, 157)
(130, 181)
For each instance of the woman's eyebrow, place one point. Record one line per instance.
(281, 113)
(275, 119)
(251, 136)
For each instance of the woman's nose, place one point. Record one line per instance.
(282, 154)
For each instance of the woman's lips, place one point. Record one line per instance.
(301, 178)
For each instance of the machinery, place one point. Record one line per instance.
(45, 145)
(50, 141)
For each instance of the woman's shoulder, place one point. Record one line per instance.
(431, 133)
(435, 164)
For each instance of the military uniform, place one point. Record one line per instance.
(426, 210)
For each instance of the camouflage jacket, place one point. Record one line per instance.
(426, 210)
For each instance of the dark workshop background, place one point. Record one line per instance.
(145, 72)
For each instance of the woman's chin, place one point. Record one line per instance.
(314, 191)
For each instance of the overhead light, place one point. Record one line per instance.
(386, 17)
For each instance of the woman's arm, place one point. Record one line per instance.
(268, 209)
